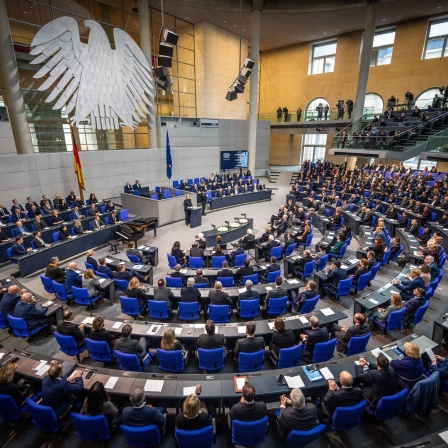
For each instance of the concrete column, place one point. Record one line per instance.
(364, 66)
(351, 162)
(10, 83)
(145, 43)
(253, 98)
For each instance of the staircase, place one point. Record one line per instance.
(273, 176)
(294, 178)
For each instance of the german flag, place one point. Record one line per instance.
(77, 164)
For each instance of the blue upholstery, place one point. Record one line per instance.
(55, 236)
(273, 275)
(344, 287)
(390, 406)
(347, 417)
(188, 310)
(249, 308)
(141, 437)
(357, 344)
(323, 351)
(20, 328)
(249, 433)
(211, 359)
(217, 261)
(289, 357)
(309, 305)
(362, 282)
(418, 316)
(200, 285)
(89, 266)
(133, 258)
(338, 255)
(173, 282)
(277, 306)
(99, 350)
(8, 409)
(373, 271)
(301, 438)
(226, 282)
(158, 310)
(130, 306)
(395, 320)
(322, 263)
(171, 261)
(253, 278)
(60, 292)
(196, 262)
(239, 259)
(68, 345)
(307, 270)
(219, 313)
(47, 284)
(44, 417)
(82, 296)
(250, 362)
(91, 428)
(121, 285)
(276, 252)
(386, 258)
(199, 438)
(307, 242)
(130, 362)
(171, 360)
(290, 249)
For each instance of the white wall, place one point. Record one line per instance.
(7, 144)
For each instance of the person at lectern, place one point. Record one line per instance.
(187, 209)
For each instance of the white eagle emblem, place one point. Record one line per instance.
(110, 86)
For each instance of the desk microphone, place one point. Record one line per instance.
(23, 353)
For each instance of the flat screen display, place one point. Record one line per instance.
(234, 159)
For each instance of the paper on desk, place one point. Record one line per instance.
(240, 382)
(294, 382)
(444, 436)
(189, 390)
(242, 329)
(43, 370)
(117, 325)
(109, 260)
(271, 325)
(40, 365)
(303, 319)
(2, 354)
(375, 302)
(326, 373)
(49, 303)
(111, 382)
(376, 351)
(394, 292)
(153, 329)
(154, 385)
(266, 265)
(141, 248)
(293, 281)
(88, 320)
(122, 262)
(268, 288)
(240, 290)
(327, 311)
(101, 280)
(177, 330)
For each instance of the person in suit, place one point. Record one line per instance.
(76, 214)
(409, 283)
(135, 291)
(190, 294)
(368, 218)
(433, 268)
(132, 250)
(394, 246)
(336, 396)
(3, 238)
(114, 218)
(164, 294)
(248, 237)
(382, 314)
(201, 241)
(93, 209)
(304, 259)
(55, 218)
(72, 278)
(277, 292)
(412, 305)
(98, 333)
(17, 209)
(362, 269)
(97, 223)
(378, 380)
(250, 343)
(54, 272)
(281, 226)
(392, 212)
(344, 333)
(4, 213)
(137, 185)
(110, 207)
(9, 388)
(141, 414)
(272, 267)
(247, 409)
(289, 240)
(90, 283)
(177, 273)
(104, 269)
(334, 275)
(26, 310)
(131, 346)
(78, 228)
(21, 229)
(225, 271)
(298, 299)
(122, 274)
(18, 248)
(59, 392)
(90, 259)
(413, 228)
(64, 234)
(199, 277)
(444, 221)
(313, 336)
(38, 241)
(424, 237)
(211, 339)
(409, 369)
(177, 253)
(268, 246)
(403, 221)
(299, 416)
(39, 223)
(187, 209)
(248, 294)
(196, 251)
(231, 254)
(281, 338)
(10, 300)
(218, 297)
(244, 270)
(68, 328)
(48, 207)
(34, 211)
(128, 188)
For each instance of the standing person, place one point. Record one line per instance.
(299, 114)
(203, 202)
(326, 111)
(349, 104)
(320, 110)
(187, 209)
(279, 114)
(285, 113)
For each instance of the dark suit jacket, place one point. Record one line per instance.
(305, 295)
(93, 262)
(71, 329)
(225, 273)
(342, 397)
(216, 340)
(408, 371)
(218, 297)
(412, 306)
(132, 346)
(336, 275)
(282, 339)
(72, 278)
(102, 335)
(345, 336)
(106, 270)
(38, 243)
(406, 289)
(367, 220)
(29, 313)
(248, 412)
(59, 393)
(142, 416)
(8, 303)
(122, 275)
(248, 345)
(302, 261)
(55, 273)
(247, 295)
(196, 252)
(18, 249)
(359, 272)
(297, 419)
(379, 383)
(276, 293)
(190, 294)
(314, 337)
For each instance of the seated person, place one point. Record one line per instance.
(289, 241)
(273, 266)
(281, 338)
(211, 339)
(90, 282)
(363, 268)
(38, 241)
(177, 273)
(248, 294)
(412, 305)
(247, 409)
(344, 334)
(196, 251)
(164, 294)
(301, 239)
(177, 253)
(98, 333)
(8, 387)
(378, 247)
(334, 275)
(98, 402)
(268, 246)
(68, 328)
(169, 342)
(201, 241)
(248, 237)
(91, 260)
(250, 343)
(78, 228)
(64, 234)
(304, 259)
(104, 269)
(54, 272)
(192, 417)
(33, 317)
(231, 254)
(298, 299)
(409, 369)
(413, 228)
(338, 246)
(244, 270)
(21, 230)
(382, 314)
(409, 283)
(424, 237)
(218, 297)
(225, 271)
(312, 337)
(394, 246)
(136, 291)
(131, 346)
(97, 223)
(199, 278)
(55, 218)
(131, 250)
(9, 300)
(114, 218)
(277, 292)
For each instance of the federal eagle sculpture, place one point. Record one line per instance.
(105, 88)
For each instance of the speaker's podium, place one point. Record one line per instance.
(196, 217)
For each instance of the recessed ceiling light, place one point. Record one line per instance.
(383, 20)
(225, 21)
(325, 33)
(244, 29)
(337, 29)
(186, 17)
(438, 7)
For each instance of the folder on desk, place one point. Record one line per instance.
(239, 382)
(313, 375)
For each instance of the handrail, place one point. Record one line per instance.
(432, 120)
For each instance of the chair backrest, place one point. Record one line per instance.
(277, 306)
(344, 286)
(19, 327)
(89, 266)
(357, 344)
(129, 306)
(166, 194)
(170, 360)
(309, 305)
(290, 249)
(342, 251)
(323, 351)
(250, 362)
(154, 196)
(133, 258)
(59, 290)
(217, 262)
(249, 308)
(322, 262)
(178, 193)
(173, 282)
(47, 283)
(127, 361)
(239, 259)
(136, 193)
(121, 284)
(123, 214)
(386, 258)
(55, 236)
(429, 292)
(373, 271)
(196, 262)
(171, 261)
(199, 438)
(8, 409)
(200, 285)
(308, 269)
(327, 212)
(141, 436)
(219, 313)
(272, 276)
(188, 310)
(421, 231)
(418, 316)
(43, 416)
(101, 274)
(253, 278)
(3, 322)
(82, 296)
(91, 428)
(389, 407)
(211, 359)
(302, 438)
(395, 319)
(99, 350)
(227, 282)
(9, 252)
(276, 252)
(33, 245)
(347, 417)
(290, 357)
(158, 309)
(249, 433)
(362, 281)
(67, 344)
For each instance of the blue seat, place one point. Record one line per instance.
(55, 236)
(211, 359)
(253, 278)
(249, 308)
(199, 438)
(3, 322)
(178, 193)
(219, 313)
(130, 362)
(395, 320)
(347, 417)
(341, 224)
(91, 428)
(83, 298)
(171, 360)
(373, 271)
(290, 249)
(344, 287)
(61, 292)
(136, 193)
(171, 261)
(68, 345)
(130, 306)
(176, 184)
(327, 212)
(249, 433)
(196, 262)
(155, 196)
(386, 258)
(33, 246)
(340, 254)
(133, 258)
(357, 344)
(309, 305)
(20, 328)
(158, 310)
(418, 316)
(217, 262)
(166, 194)
(200, 285)
(288, 357)
(89, 266)
(362, 282)
(239, 260)
(322, 263)
(276, 252)
(277, 306)
(123, 214)
(226, 282)
(250, 362)
(141, 436)
(9, 411)
(429, 292)
(173, 282)
(47, 284)
(99, 350)
(121, 285)
(307, 270)
(323, 351)
(9, 253)
(44, 417)
(188, 310)
(273, 275)
(301, 438)
(390, 406)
